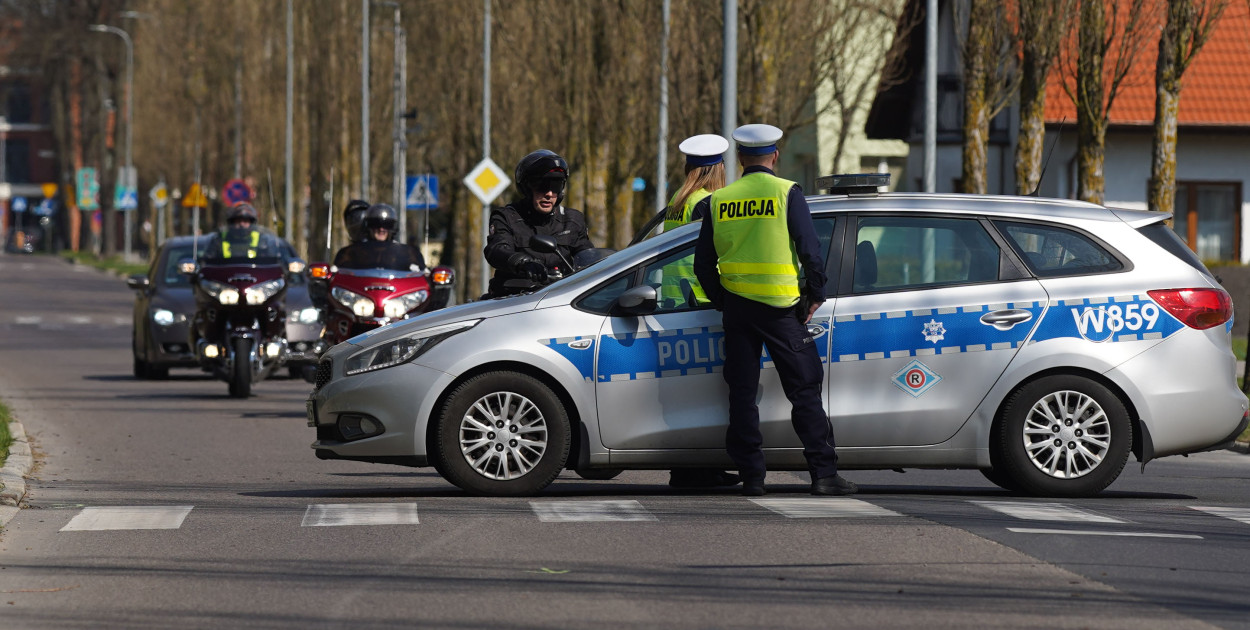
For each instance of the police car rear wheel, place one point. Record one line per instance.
(1063, 435)
(503, 434)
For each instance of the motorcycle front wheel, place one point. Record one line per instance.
(241, 370)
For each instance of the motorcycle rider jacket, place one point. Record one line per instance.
(508, 244)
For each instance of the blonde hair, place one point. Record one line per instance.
(710, 178)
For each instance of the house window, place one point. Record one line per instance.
(1206, 217)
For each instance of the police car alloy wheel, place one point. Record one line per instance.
(503, 433)
(1063, 435)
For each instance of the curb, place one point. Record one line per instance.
(13, 474)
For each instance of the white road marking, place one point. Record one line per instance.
(823, 507)
(128, 517)
(1236, 514)
(1045, 512)
(338, 514)
(1087, 532)
(587, 511)
(29, 319)
(80, 319)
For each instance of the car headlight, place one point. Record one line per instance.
(224, 293)
(163, 317)
(257, 294)
(402, 349)
(398, 306)
(360, 305)
(308, 315)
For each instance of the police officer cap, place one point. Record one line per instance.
(757, 139)
(704, 149)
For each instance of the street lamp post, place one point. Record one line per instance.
(130, 108)
(398, 140)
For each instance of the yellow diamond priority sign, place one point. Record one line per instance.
(487, 181)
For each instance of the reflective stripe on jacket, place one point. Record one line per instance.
(683, 269)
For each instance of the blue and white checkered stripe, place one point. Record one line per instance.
(581, 355)
(902, 334)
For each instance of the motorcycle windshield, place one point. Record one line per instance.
(259, 261)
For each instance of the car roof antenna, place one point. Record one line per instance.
(1046, 162)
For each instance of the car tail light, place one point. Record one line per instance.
(1197, 308)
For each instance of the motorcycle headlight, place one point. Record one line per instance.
(360, 305)
(398, 306)
(224, 293)
(163, 317)
(257, 294)
(308, 315)
(402, 349)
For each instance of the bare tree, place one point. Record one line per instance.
(988, 55)
(1189, 25)
(1117, 38)
(1044, 25)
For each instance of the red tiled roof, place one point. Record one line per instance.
(1215, 88)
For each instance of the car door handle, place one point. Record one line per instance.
(1004, 320)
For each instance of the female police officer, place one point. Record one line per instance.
(756, 233)
(541, 178)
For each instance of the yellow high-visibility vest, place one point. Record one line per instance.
(754, 250)
(675, 272)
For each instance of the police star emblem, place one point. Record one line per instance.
(934, 331)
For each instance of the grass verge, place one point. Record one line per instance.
(111, 263)
(5, 438)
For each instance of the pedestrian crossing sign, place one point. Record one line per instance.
(421, 193)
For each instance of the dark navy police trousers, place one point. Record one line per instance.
(750, 325)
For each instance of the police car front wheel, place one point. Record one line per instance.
(502, 434)
(1063, 435)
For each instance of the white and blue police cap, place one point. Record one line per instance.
(757, 139)
(704, 149)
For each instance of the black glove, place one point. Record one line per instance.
(527, 266)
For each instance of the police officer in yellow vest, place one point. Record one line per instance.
(757, 234)
(705, 173)
(241, 238)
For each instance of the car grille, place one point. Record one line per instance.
(325, 369)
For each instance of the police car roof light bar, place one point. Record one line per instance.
(853, 184)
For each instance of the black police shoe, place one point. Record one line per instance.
(701, 478)
(753, 488)
(833, 486)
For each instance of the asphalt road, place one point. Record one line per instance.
(158, 504)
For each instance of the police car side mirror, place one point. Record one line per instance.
(640, 300)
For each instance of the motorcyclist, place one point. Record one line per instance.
(241, 238)
(354, 220)
(379, 249)
(540, 179)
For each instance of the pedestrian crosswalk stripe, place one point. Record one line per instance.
(1045, 512)
(1087, 532)
(128, 517)
(822, 507)
(587, 511)
(1236, 514)
(339, 514)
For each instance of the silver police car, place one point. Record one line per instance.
(1040, 341)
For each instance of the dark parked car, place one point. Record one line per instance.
(164, 303)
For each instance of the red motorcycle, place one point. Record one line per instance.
(239, 331)
(359, 300)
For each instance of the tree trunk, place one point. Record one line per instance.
(1091, 121)
(1031, 139)
(976, 108)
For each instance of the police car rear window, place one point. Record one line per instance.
(1161, 235)
(1052, 251)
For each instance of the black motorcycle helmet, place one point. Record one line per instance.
(242, 211)
(541, 164)
(381, 215)
(354, 219)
